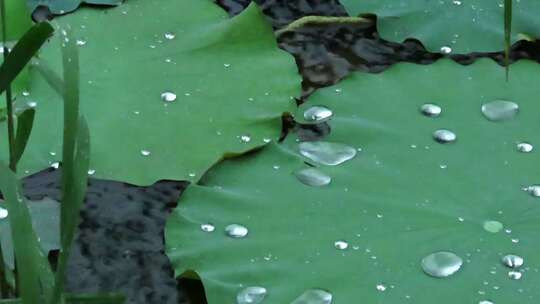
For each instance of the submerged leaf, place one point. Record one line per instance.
(46, 223)
(405, 209)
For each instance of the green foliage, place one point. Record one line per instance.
(403, 197)
(464, 26)
(18, 19)
(23, 52)
(24, 239)
(60, 7)
(45, 222)
(25, 122)
(230, 78)
(75, 161)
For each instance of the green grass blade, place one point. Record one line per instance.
(25, 241)
(75, 163)
(25, 122)
(23, 52)
(507, 35)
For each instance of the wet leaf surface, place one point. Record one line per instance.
(381, 228)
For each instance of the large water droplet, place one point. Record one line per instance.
(327, 153)
(314, 296)
(485, 302)
(512, 261)
(169, 36)
(444, 136)
(313, 177)
(441, 264)
(208, 227)
(525, 147)
(317, 114)
(493, 226)
(515, 275)
(245, 138)
(431, 110)
(236, 231)
(500, 110)
(145, 152)
(381, 287)
(251, 295)
(533, 190)
(168, 96)
(341, 245)
(3, 213)
(446, 50)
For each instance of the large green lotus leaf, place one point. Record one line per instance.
(59, 7)
(465, 26)
(232, 84)
(46, 222)
(403, 197)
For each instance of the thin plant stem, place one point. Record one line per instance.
(4, 287)
(9, 100)
(507, 35)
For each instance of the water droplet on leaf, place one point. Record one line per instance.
(341, 245)
(169, 36)
(533, 190)
(145, 152)
(208, 227)
(236, 231)
(327, 153)
(245, 138)
(446, 50)
(168, 96)
(525, 147)
(515, 275)
(314, 296)
(500, 110)
(512, 261)
(251, 295)
(431, 110)
(3, 213)
(493, 226)
(313, 177)
(317, 114)
(444, 136)
(441, 264)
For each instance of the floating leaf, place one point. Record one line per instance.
(403, 207)
(230, 80)
(46, 223)
(459, 26)
(60, 7)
